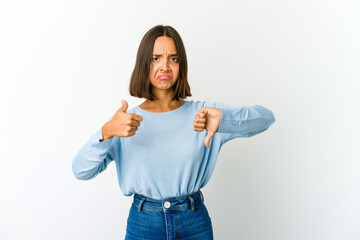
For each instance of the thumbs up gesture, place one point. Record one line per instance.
(122, 124)
(209, 119)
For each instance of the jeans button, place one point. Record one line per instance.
(167, 204)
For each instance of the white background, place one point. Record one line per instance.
(65, 66)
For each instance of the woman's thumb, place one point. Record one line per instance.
(207, 139)
(124, 106)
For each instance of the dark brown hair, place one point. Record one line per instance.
(140, 85)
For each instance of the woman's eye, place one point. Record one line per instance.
(175, 59)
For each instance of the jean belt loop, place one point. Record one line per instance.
(140, 204)
(202, 197)
(192, 204)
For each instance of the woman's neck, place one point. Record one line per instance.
(161, 106)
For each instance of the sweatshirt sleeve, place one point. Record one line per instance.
(245, 121)
(94, 156)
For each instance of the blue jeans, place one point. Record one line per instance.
(184, 217)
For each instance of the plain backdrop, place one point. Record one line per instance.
(66, 65)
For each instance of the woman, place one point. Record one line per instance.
(162, 155)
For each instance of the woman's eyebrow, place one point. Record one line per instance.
(157, 55)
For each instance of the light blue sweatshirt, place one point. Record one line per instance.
(166, 157)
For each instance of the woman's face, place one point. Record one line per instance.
(164, 67)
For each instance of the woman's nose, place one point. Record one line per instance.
(164, 66)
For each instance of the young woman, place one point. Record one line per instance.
(162, 155)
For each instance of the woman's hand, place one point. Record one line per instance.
(122, 124)
(209, 119)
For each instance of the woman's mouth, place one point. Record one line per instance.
(164, 77)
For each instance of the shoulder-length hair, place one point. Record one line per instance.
(140, 85)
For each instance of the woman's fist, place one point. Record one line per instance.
(122, 124)
(209, 119)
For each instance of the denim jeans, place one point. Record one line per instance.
(184, 217)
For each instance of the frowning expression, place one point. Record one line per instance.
(164, 67)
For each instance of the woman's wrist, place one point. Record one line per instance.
(105, 132)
